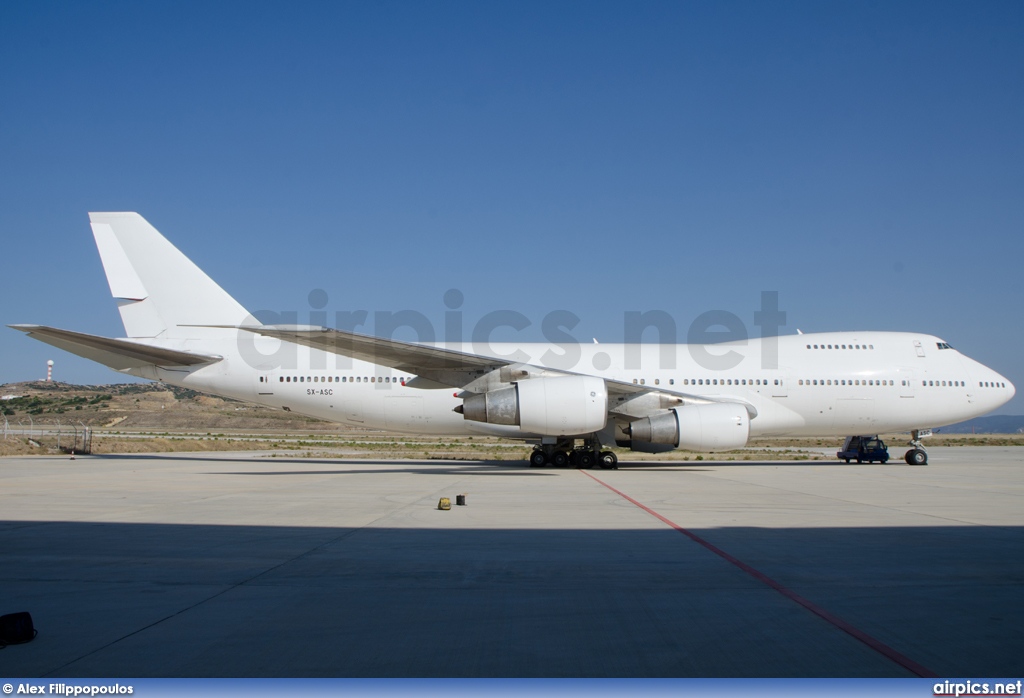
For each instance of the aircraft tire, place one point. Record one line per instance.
(585, 460)
(559, 459)
(608, 460)
(916, 456)
(538, 459)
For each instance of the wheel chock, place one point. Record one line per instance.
(445, 504)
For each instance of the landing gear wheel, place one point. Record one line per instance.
(559, 459)
(916, 456)
(538, 459)
(608, 460)
(584, 460)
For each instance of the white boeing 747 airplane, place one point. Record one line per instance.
(185, 330)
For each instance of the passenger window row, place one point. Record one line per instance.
(337, 379)
(657, 381)
(855, 381)
(711, 381)
(840, 346)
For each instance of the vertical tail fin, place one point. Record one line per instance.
(160, 292)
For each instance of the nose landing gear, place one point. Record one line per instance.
(917, 455)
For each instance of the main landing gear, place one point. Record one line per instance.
(917, 455)
(564, 453)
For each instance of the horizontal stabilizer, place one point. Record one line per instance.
(118, 354)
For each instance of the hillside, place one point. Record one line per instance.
(992, 424)
(157, 406)
(141, 406)
(151, 417)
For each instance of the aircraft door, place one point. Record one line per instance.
(779, 386)
(265, 382)
(906, 382)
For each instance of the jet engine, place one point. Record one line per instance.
(561, 406)
(719, 426)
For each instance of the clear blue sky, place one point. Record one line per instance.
(865, 160)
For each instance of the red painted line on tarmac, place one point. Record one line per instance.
(875, 644)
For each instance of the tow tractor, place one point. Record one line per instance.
(864, 449)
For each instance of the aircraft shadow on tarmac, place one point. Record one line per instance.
(131, 599)
(440, 466)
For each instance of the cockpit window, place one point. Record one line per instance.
(943, 345)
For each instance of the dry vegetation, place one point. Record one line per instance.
(142, 406)
(154, 418)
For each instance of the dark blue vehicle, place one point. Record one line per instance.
(864, 449)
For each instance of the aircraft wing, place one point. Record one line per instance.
(449, 368)
(118, 354)
(418, 359)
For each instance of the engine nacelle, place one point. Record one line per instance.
(563, 406)
(720, 426)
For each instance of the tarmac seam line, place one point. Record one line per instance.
(872, 642)
(236, 585)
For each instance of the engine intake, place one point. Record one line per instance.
(719, 426)
(562, 406)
